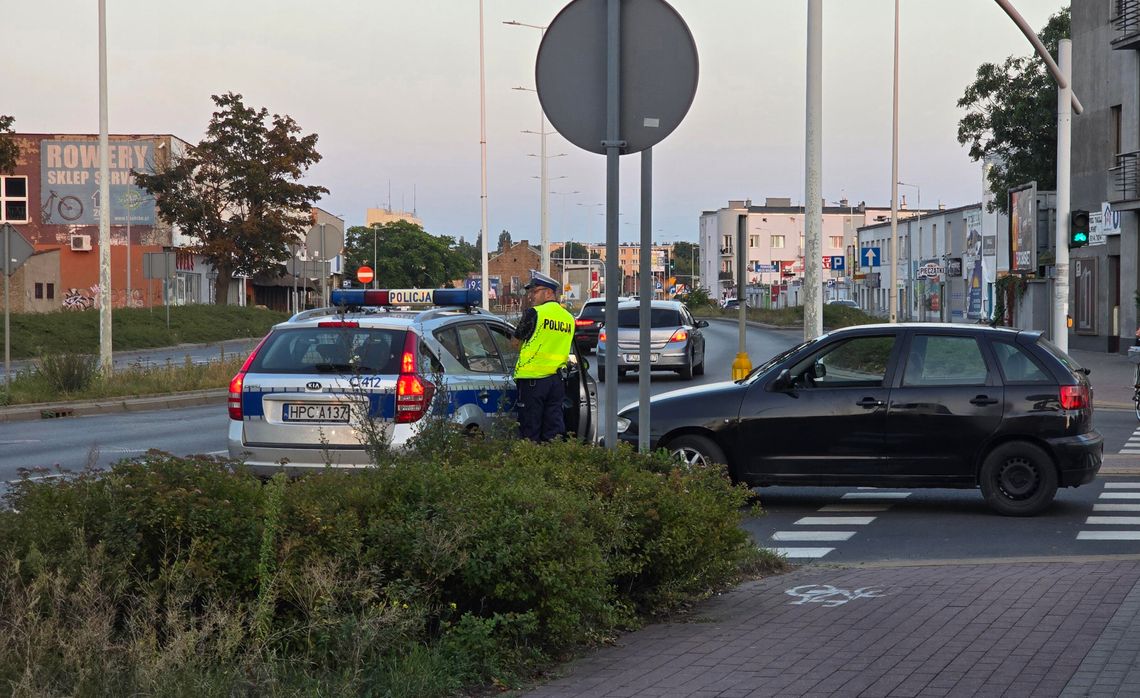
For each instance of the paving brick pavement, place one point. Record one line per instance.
(1007, 629)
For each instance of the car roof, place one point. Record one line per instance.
(396, 318)
(672, 305)
(975, 329)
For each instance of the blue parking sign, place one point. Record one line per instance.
(837, 263)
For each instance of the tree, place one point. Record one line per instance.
(572, 251)
(238, 191)
(406, 256)
(504, 240)
(1011, 118)
(9, 151)
(473, 253)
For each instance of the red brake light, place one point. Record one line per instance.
(583, 323)
(680, 336)
(601, 335)
(234, 402)
(330, 323)
(1074, 397)
(413, 393)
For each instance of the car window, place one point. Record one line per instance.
(858, 362)
(658, 317)
(479, 353)
(944, 360)
(1069, 362)
(1017, 365)
(331, 350)
(507, 349)
(450, 342)
(592, 311)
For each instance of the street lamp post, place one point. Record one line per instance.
(910, 238)
(375, 280)
(542, 133)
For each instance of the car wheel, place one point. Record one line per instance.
(696, 451)
(1018, 479)
(686, 371)
(699, 369)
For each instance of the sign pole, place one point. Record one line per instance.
(644, 311)
(613, 146)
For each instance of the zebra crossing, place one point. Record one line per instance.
(1116, 513)
(1132, 446)
(833, 523)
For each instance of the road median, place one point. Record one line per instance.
(145, 403)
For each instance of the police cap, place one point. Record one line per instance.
(540, 280)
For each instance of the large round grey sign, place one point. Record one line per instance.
(658, 73)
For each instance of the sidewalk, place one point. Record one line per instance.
(1032, 628)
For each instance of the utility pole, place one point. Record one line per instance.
(106, 359)
(813, 206)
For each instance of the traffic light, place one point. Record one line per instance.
(1078, 228)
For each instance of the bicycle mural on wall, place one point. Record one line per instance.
(69, 208)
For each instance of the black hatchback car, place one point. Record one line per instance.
(906, 405)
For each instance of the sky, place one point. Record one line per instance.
(392, 89)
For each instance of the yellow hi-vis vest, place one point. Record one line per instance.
(549, 346)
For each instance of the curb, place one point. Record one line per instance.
(56, 410)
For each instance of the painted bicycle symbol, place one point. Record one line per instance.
(830, 596)
(70, 208)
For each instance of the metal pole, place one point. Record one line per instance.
(484, 253)
(646, 292)
(813, 206)
(1064, 153)
(613, 146)
(129, 209)
(545, 221)
(106, 361)
(893, 294)
(375, 275)
(742, 366)
(7, 309)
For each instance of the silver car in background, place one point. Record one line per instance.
(676, 340)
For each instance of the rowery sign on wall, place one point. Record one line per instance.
(69, 182)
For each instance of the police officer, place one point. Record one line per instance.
(546, 332)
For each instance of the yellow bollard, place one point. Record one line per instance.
(741, 366)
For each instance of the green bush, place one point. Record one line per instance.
(470, 561)
(68, 373)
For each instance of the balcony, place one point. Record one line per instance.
(1124, 181)
(1126, 20)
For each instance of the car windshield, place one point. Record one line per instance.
(658, 317)
(1070, 362)
(331, 350)
(773, 361)
(592, 311)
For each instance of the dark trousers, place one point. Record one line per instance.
(540, 408)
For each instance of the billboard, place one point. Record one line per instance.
(69, 182)
(1023, 228)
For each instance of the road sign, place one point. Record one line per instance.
(658, 64)
(159, 265)
(869, 257)
(20, 250)
(364, 275)
(837, 263)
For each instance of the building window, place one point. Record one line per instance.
(39, 291)
(753, 240)
(13, 199)
(836, 241)
(777, 242)
(51, 292)
(1114, 132)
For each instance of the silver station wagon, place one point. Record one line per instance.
(323, 384)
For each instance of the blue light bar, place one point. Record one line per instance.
(461, 297)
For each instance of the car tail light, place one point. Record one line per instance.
(601, 335)
(1074, 397)
(238, 381)
(583, 323)
(345, 323)
(680, 336)
(413, 393)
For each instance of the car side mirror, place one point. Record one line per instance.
(783, 382)
(701, 323)
(818, 370)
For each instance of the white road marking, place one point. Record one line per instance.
(875, 495)
(217, 453)
(816, 536)
(1116, 507)
(1122, 485)
(1130, 451)
(854, 508)
(1108, 535)
(835, 521)
(1119, 495)
(802, 553)
(12, 442)
(1113, 521)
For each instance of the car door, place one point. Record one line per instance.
(698, 335)
(476, 390)
(826, 424)
(946, 404)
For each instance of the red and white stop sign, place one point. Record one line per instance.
(364, 275)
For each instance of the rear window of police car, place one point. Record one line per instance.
(331, 350)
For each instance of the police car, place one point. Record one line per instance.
(302, 397)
